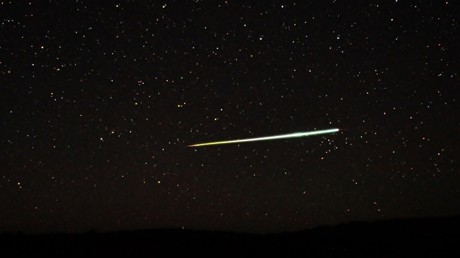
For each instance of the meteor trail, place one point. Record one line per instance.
(266, 138)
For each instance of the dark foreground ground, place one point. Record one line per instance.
(436, 237)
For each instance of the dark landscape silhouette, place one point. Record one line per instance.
(434, 237)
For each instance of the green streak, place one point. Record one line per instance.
(267, 138)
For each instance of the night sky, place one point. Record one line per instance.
(98, 102)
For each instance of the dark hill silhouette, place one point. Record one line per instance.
(433, 237)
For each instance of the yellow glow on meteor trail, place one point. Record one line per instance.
(266, 138)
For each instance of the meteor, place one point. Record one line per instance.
(267, 138)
